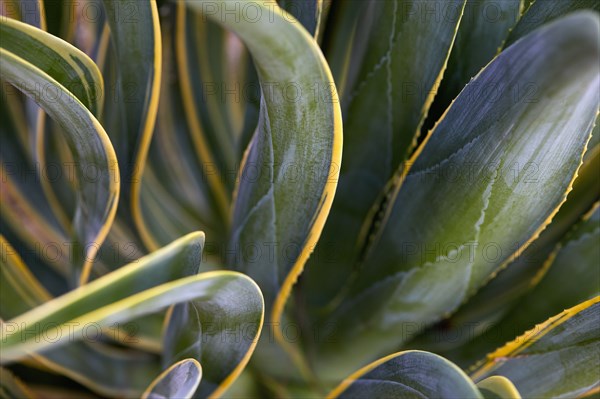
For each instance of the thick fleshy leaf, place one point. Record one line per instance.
(93, 301)
(72, 69)
(543, 12)
(569, 276)
(220, 333)
(289, 174)
(498, 387)
(178, 381)
(410, 374)
(494, 300)
(483, 28)
(400, 54)
(128, 293)
(97, 195)
(558, 358)
(66, 64)
(133, 99)
(465, 204)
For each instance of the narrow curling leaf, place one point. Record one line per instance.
(488, 179)
(558, 358)
(117, 289)
(178, 381)
(66, 64)
(135, 34)
(289, 175)
(229, 304)
(406, 375)
(97, 197)
(498, 387)
(222, 341)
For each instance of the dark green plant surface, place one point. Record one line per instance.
(303, 198)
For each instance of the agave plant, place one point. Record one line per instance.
(180, 217)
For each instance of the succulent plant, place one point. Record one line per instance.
(180, 217)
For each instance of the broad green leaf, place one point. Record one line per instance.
(558, 358)
(344, 43)
(498, 387)
(288, 177)
(543, 12)
(178, 381)
(483, 28)
(488, 179)
(97, 197)
(569, 276)
(496, 298)
(410, 374)
(135, 35)
(222, 341)
(405, 46)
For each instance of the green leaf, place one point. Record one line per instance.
(176, 195)
(296, 150)
(410, 374)
(307, 12)
(178, 381)
(92, 150)
(222, 341)
(543, 12)
(498, 387)
(400, 54)
(132, 101)
(483, 28)
(494, 300)
(558, 358)
(569, 276)
(465, 206)
(129, 293)
(66, 64)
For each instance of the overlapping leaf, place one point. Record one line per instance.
(92, 150)
(288, 176)
(462, 210)
(406, 375)
(125, 295)
(133, 101)
(493, 301)
(558, 358)
(398, 57)
(178, 381)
